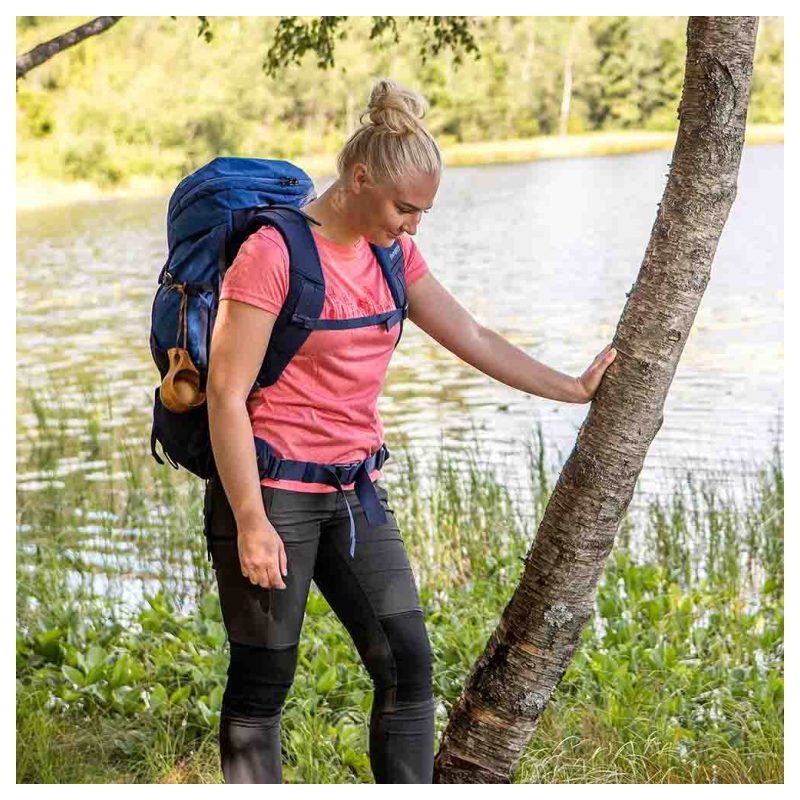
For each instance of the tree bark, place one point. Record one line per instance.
(566, 92)
(566, 95)
(46, 50)
(540, 629)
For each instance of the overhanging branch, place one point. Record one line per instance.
(45, 51)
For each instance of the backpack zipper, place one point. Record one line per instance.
(247, 184)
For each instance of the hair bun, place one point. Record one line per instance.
(395, 107)
(392, 141)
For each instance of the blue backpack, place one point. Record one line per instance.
(210, 214)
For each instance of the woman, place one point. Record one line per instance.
(270, 538)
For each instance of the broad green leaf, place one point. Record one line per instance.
(73, 675)
(180, 694)
(328, 681)
(95, 656)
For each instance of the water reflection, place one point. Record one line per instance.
(542, 252)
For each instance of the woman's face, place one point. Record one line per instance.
(387, 210)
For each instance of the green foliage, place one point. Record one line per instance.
(35, 111)
(294, 37)
(679, 676)
(687, 669)
(690, 679)
(91, 162)
(147, 98)
(766, 96)
(637, 74)
(446, 32)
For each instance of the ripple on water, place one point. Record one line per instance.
(542, 252)
(37, 486)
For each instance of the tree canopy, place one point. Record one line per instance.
(150, 97)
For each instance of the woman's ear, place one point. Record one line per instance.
(359, 179)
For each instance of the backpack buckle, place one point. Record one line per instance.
(346, 472)
(347, 466)
(381, 456)
(303, 322)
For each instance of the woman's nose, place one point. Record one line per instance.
(411, 227)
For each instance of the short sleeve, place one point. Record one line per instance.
(415, 265)
(259, 275)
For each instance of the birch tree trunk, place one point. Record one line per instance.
(575, 33)
(534, 642)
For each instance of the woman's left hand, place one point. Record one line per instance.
(590, 380)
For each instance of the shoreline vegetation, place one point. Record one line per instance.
(678, 679)
(34, 194)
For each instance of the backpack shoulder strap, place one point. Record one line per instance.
(393, 268)
(306, 295)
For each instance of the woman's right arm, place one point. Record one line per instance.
(238, 345)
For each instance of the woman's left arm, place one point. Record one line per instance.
(441, 316)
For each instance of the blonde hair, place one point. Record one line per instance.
(393, 143)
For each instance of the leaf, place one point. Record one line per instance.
(158, 696)
(205, 711)
(366, 702)
(120, 671)
(216, 632)
(328, 681)
(46, 644)
(180, 694)
(123, 698)
(96, 673)
(209, 607)
(95, 656)
(73, 675)
(215, 698)
(137, 671)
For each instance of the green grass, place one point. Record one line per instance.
(679, 677)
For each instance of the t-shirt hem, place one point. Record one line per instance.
(416, 276)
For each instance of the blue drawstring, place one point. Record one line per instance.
(340, 488)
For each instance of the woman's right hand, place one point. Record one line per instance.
(262, 556)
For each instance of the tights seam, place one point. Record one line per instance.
(354, 577)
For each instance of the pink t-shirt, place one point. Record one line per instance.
(324, 406)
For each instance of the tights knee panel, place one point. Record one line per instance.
(259, 678)
(410, 676)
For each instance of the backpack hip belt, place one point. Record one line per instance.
(273, 467)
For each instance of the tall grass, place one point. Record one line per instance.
(121, 652)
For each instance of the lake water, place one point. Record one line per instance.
(542, 252)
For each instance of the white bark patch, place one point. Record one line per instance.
(557, 616)
(531, 703)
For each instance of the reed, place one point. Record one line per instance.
(121, 652)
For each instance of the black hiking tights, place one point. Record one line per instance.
(375, 597)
